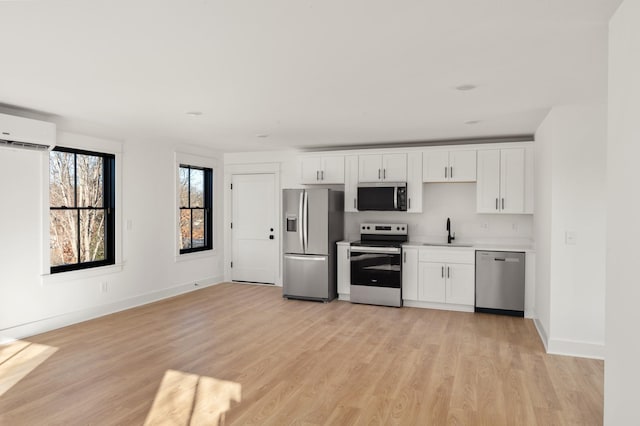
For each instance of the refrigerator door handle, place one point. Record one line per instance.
(301, 221)
(305, 227)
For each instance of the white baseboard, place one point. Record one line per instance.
(47, 324)
(441, 306)
(569, 347)
(575, 348)
(541, 332)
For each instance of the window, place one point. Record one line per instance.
(195, 208)
(82, 210)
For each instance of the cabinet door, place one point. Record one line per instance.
(488, 185)
(435, 166)
(332, 171)
(310, 169)
(351, 183)
(462, 166)
(370, 168)
(414, 184)
(394, 167)
(410, 274)
(344, 269)
(461, 284)
(431, 286)
(512, 171)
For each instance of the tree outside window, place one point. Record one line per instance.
(81, 197)
(195, 187)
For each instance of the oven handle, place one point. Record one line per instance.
(380, 250)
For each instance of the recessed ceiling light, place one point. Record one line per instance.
(466, 87)
(194, 113)
(262, 135)
(472, 122)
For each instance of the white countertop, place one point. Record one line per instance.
(478, 245)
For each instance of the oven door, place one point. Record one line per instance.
(376, 266)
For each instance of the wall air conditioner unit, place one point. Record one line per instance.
(26, 133)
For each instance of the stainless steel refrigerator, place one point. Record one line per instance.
(313, 223)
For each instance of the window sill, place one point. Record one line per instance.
(81, 274)
(206, 254)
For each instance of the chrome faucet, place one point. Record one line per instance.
(449, 237)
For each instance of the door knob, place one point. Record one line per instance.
(271, 229)
(271, 237)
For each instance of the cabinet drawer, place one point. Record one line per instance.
(447, 255)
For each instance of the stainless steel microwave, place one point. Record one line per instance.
(385, 196)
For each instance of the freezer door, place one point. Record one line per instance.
(292, 203)
(316, 211)
(306, 277)
(500, 280)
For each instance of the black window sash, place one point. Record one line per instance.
(108, 206)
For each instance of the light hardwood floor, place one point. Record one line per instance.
(307, 363)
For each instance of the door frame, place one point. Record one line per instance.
(250, 169)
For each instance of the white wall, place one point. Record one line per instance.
(31, 303)
(571, 186)
(542, 225)
(622, 358)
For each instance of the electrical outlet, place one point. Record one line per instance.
(104, 287)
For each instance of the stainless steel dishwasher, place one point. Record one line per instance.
(500, 282)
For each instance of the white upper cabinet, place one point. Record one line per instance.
(505, 179)
(382, 168)
(351, 183)
(322, 169)
(414, 184)
(449, 166)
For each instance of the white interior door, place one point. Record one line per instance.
(254, 232)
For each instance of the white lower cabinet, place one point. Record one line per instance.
(344, 270)
(410, 273)
(439, 277)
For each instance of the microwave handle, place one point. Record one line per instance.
(395, 198)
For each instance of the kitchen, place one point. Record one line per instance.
(427, 203)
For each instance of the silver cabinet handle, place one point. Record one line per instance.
(348, 254)
(503, 204)
(404, 257)
(384, 173)
(354, 203)
(448, 272)
(442, 271)
(378, 173)
(451, 172)
(496, 204)
(409, 204)
(317, 174)
(445, 172)
(321, 174)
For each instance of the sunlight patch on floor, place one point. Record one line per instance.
(189, 399)
(19, 358)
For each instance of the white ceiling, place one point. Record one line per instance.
(305, 72)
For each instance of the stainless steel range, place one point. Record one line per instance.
(376, 264)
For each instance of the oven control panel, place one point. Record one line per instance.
(384, 228)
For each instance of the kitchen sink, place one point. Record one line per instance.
(446, 245)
